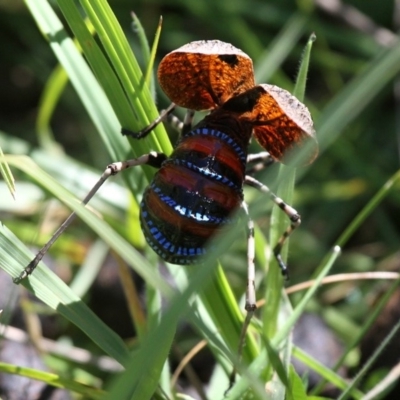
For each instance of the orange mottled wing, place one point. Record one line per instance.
(281, 123)
(203, 75)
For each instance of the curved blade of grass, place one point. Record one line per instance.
(363, 214)
(149, 56)
(87, 273)
(366, 211)
(366, 326)
(279, 48)
(297, 390)
(49, 99)
(288, 325)
(248, 386)
(300, 87)
(6, 173)
(153, 52)
(357, 94)
(378, 351)
(390, 380)
(51, 94)
(52, 380)
(325, 372)
(79, 73)
(14, 256)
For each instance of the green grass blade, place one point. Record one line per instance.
(52, 92)
(56, 294)
(52, 380)
(300, 87)
(325, 372)
(80, 75)
(149, 56)
(6, 173)
(368, 364)
(326, 266)
(367, 210)
(357, 94)
(269, 62)
(356, 339)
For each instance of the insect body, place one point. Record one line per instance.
(198, 188)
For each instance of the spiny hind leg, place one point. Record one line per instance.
(292, 214)
(250, 306)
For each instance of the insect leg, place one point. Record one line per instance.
(153, 159)
(262, 156)
(260, 160)
(251, 273)
(143, 133)
(293, 215)
(250, 305)
(182, 127)
(174, 121)
(188, 121)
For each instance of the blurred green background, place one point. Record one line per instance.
(359, 138)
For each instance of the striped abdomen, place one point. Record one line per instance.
(193, 194)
